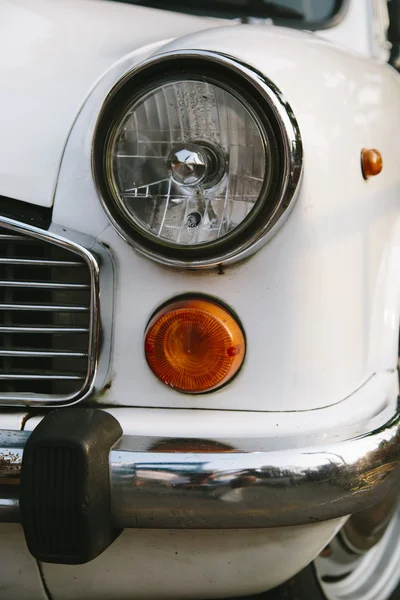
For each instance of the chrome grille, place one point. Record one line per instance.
(47, 318)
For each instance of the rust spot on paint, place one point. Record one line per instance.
(326, 552)
(104, 389)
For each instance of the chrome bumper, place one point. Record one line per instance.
(201, 484)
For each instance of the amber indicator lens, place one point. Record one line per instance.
(371, 162)
(194, 345)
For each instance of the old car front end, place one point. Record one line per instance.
(200, 300)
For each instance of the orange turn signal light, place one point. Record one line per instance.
(371, 162)
(194, 345)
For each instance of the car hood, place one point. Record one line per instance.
(52, 52)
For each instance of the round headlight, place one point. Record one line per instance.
(187, 162)
(190, 164)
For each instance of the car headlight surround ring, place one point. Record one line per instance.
(280, 137)
(170, 249)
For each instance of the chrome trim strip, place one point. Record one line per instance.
(98, 363)
(43, 353)
(45, 285)
(45, 330)
(166, 483)
(293, 158)
(51, 307)
(41, 263)
(40, 377)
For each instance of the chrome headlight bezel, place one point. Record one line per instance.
(277, 122)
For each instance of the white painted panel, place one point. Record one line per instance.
(10, 419)
(355, 31)
(186, 565)
(52, 52)
(19, 573)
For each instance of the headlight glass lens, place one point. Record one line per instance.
(188, 162)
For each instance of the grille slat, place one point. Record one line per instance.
(45, 318)
(10, 236)
(42, 353)
(39, 263)
(45, 307)
(41, 377)
(45, 284)
(45, 330)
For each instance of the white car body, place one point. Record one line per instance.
(320, 303)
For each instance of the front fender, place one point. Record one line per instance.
(313, 301)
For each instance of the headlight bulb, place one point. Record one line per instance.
(188, 165)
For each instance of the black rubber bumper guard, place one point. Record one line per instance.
(65, 492)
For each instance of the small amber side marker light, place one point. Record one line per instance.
(371, 162)
(194, 345)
